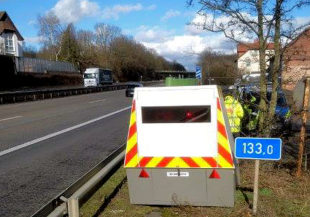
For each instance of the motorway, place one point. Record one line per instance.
(46, 145)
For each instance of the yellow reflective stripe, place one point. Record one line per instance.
(201, 162)
(220, 117)
(154, 162)
(173, 163)
(131, 142)
(133, 162)
(223, 141)
(182, 163)
(223, 163)
(177, 162)
(132, 118)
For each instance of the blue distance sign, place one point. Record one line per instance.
(198, 72)
(258, 148)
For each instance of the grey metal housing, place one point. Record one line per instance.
(196, 190)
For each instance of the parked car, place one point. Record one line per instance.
(282, 108)
(250, 98)
(131, 88)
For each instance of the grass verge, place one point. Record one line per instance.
(96, 204)
(280, 194)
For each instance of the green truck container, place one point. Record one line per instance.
(170, 81)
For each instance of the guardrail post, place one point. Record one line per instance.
(73, 207)
(83, 188)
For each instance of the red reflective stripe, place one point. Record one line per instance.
(189, 162)
(225, 154)
(221, 129)
(132, 130)
(210, 161)
(164, 162)
(131, 154)
(144, 161)
(218, 104)
(133, 106)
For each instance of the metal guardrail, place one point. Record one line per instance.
(69, 201)
(23, 96)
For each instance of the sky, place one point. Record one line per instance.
(162, 25)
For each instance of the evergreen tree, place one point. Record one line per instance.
(69, 47)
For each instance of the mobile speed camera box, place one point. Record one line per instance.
(179, 147)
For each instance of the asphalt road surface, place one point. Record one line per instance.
(46, 145)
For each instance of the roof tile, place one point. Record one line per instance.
(6, 25)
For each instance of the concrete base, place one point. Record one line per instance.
(196, 189)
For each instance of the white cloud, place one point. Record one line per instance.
(152, 34)
(171, 13)
(116, 10)
(301, 21)
(184, 48)
(73, 10)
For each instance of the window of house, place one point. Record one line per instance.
(9, 43)
(248, 62)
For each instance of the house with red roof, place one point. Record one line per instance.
(296, 60)
(11, 41)
(248, 57)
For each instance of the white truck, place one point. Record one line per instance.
(94, 77)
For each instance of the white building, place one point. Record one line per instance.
(248, 57)
(11, 41)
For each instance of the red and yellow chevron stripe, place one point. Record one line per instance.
(222, 160)
(131, 157)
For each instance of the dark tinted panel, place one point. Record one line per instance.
(176, 114)
(107, 72)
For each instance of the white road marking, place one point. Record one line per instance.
(60, 132)
(6, 119)
(100, 100)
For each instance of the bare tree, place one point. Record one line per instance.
(243, 20)
(220, 66)
(51, 30)
(88, 49)
(86, 38)
(131, 60)
(104, 47)
(29, 51)
(105, 34)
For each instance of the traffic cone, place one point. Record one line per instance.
(144, 174)
(214, 175)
